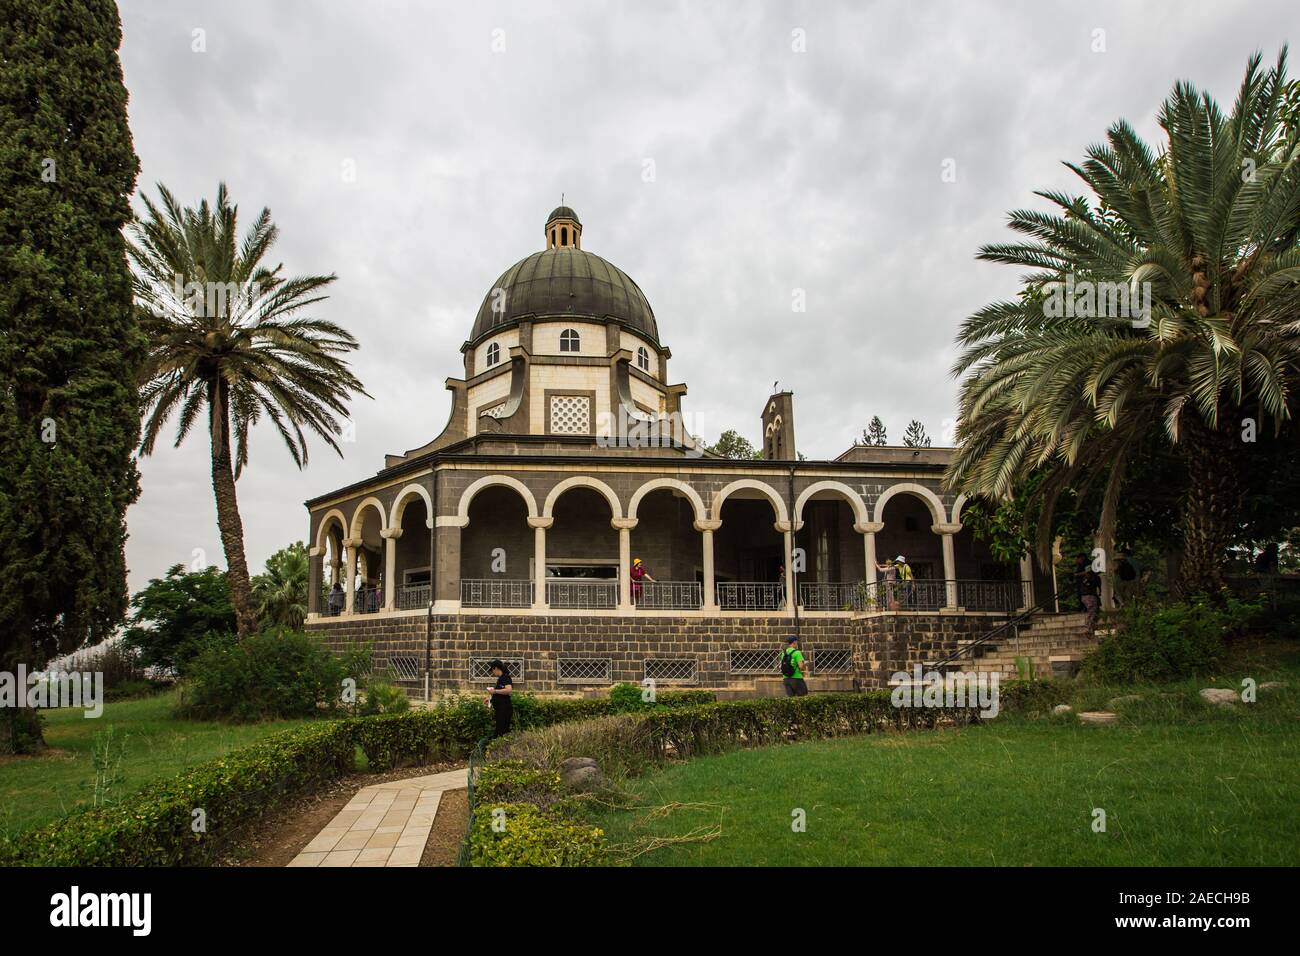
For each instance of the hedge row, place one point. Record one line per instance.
(189, 819)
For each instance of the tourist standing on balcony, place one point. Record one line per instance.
(639, 574)
(905, 577)
(793, 669)
(336, 600)
(890, 571)
(499, 698)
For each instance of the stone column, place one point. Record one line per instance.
(350, 568)
(624, 527)
(788, 529)
(446, 589)
(949, 561)
(390, 536)
(706, 529)
(1026, 583)
(539, 526)
(868, 530)
(315, 569)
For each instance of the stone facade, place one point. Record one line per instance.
(868, 647)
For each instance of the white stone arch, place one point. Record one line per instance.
(854, 500)
(403, 497)
(937, 511)
(763, 487)
(957, 506)
(655, 484)
(487, 481)
(325, 523)
(359, 516)
(582, 481)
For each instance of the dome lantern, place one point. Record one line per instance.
(563, 230)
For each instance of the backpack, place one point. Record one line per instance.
(787, 662)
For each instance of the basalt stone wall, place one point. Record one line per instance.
(725, 651)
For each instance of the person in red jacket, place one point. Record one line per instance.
(639, 574)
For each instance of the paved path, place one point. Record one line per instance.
(386, 824)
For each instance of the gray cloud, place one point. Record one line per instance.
(775, 170)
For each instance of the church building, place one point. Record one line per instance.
(566, 520)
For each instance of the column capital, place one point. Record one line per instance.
(353, 542)
(542, 523)
(869, 527)
(393, 533)
(451, 521)
(709, 524)
(787, 526)
(945, 528)
(622, 524)
(315, 552)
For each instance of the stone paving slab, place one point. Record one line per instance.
(385, 824)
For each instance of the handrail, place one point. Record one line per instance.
(1010, 622)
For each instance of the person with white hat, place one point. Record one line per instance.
(905, 578)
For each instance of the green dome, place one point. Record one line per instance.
(563, 212)
(564, 283)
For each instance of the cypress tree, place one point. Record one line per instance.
(70, 347)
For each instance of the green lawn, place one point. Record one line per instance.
(1181, 784)
(148, 743)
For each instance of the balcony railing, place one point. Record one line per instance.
(368, 600)
(496, 592)
(751, 595)
(669, 595)
(832, 596)
(588, 593)
(932, 595)
(412, 596)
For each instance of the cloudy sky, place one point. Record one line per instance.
(724, 155)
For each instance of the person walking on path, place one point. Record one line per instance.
(499, 698)
(794, 669)
(1088, 584)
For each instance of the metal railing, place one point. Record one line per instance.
(496, 592)
(750, 595)
(669, 595)
(480, 669)
(413, 595)
(831, 660)
(831, 596)
(933, 594)
(593, 593)
(367, 600)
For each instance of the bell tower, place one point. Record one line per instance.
(778, 428)
(563, 230)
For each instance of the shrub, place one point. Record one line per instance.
(511, 781)
(1032, 696)
(155, 827)
(531, 836)
(1155, 643)
(626, 697)
(384, 698)
(620, 743)
(276, 673)
(130, 689)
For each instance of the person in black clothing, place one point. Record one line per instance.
(499, 698)
(1088, 584)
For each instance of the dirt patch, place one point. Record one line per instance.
(448, 829)
(277, 838)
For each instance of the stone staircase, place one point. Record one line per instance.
(1052, 644)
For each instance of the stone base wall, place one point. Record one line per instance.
(869, 648)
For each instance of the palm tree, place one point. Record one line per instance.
(1209, 227)
(281, 592)
(228, 341)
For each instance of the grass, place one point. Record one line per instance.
(134, 742)
(1182, 783)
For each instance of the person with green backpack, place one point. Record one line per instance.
(793, 668)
